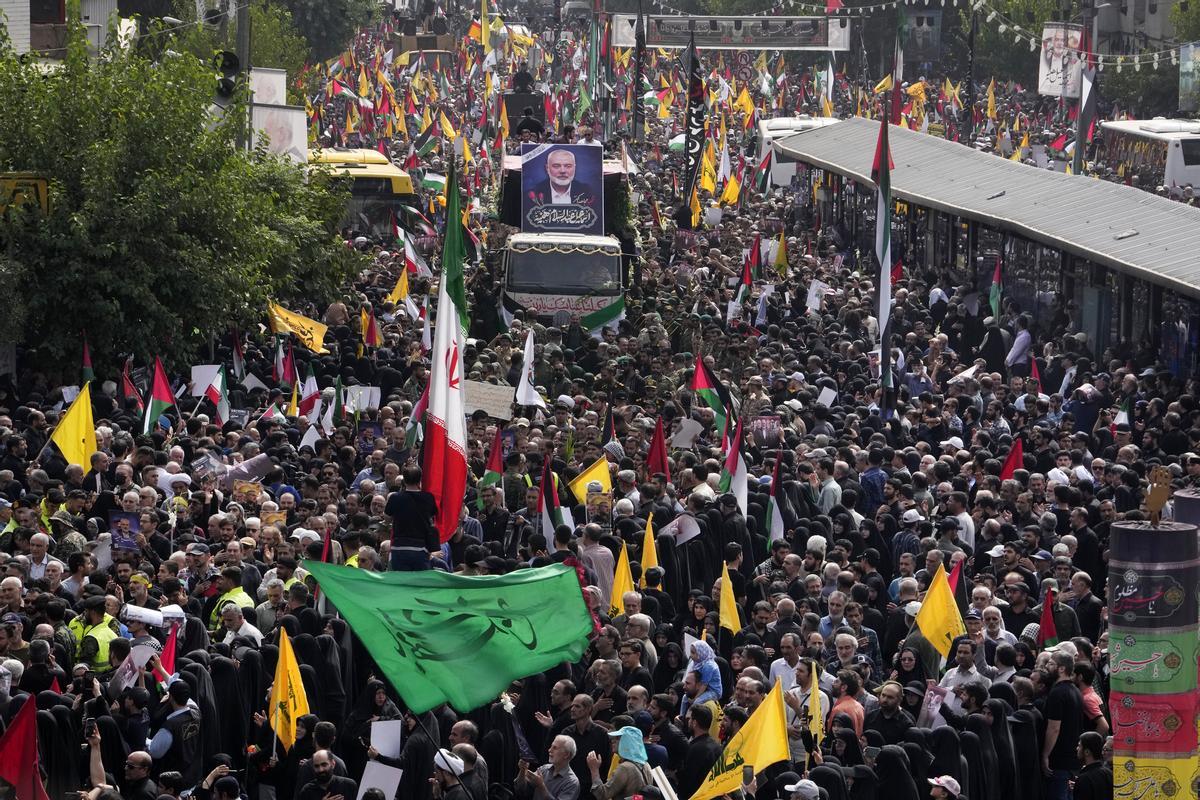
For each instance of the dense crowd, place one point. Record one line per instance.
(877, 493)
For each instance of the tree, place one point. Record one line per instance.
(329, 25)
(161, 233)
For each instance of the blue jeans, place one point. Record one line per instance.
(1057, 787)
(409, 560)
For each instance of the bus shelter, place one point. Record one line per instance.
(1126, 263)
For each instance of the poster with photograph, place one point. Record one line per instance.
(562, 188)
(923, 36)
(1060, 71)
(124, 526)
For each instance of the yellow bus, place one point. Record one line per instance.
(381, 193)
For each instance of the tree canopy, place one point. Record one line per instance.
(161, 232)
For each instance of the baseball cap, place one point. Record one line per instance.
(947, 783)
(974, 614)
(910, 517)
(197, 549)
(996, 551)
(805, 789)
(912, 608)
(954, 441)
(1043, 555)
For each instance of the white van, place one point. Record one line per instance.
(777, 128)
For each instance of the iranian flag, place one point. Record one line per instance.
(161, 397)
(709, 391)
(310, 397)
(734, 474)
(1124, 415)
(493, 473)
(996, 291)
(218, 393)
(550, 510)
(445, 455)
(527, 393)
(774, 515)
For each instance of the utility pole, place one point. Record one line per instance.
(242, 44)
(1087, 13)
(970, 109)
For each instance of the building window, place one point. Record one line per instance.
(47, 12)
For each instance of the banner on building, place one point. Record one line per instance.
(1189, 77)
(735, 33)
(1060, 71)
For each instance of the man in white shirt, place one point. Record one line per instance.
(783, 670)
(39, 556)
(235, 625)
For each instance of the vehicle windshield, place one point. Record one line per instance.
(567, 273)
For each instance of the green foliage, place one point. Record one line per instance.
(161, 233)
(1186, 23)
(329, 25)
(1146, 93)
(276, 43)
(997, 55)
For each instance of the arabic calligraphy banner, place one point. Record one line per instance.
(440, 637)
(696, 109)
(670, 31)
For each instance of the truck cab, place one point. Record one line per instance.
(552, 274)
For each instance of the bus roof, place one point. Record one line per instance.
(362, 164)
(1158, 129)
(346, 155)
(536, 241)
(801, 123)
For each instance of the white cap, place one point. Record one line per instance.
(947, 783)
(954, 441)
(912, 608)
(996, 551)
(805, 788)
(910, 517)
(447, 761)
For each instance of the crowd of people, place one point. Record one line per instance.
(877, 492)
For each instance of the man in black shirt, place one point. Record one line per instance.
(325, 784)
(1064, 724)
(1095, 780)
(890, 720)
(414, 534)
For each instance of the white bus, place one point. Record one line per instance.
(773, 130)
(1170, 147)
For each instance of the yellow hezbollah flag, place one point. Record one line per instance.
(781, 257)
(991, 99)
(75, 434)
(816, 721)
(622, 583)
(732, 189)
(400, 293)
(597, 472)
(294, 405)
(447, 128)
(938, 618)
(503, 118)
(728, 610)
(310, 332)
(884, 85)
(649, 551)
(761, 742)
(288, 701)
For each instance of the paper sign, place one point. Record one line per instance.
(816, 291)
(684, 528)
(69, 393)
(495, 400)
(362, 398)
(766, 430)
(202, 377)
(387, 736)
(276, 518)
(251, 382)
(689, 429)
(382, 777)
(827, 397)
(969, 372)
(712, 216)
(247, 491)
(931, 705)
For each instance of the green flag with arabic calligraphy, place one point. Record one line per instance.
(440, 637)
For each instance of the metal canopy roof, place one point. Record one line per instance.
(1117, 226)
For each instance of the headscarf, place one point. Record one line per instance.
(831, 780)
(865, 784)
(918, 759)
(630, 746)
(852, 751)
(1005, 692)
(330, 673)
(1006, 756)
(665, 674)
(978, 725)
(234, 712)
(1027, 750)
(914, 675)
(947, 755)
(893, 771)
(977, 778)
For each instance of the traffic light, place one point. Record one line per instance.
(229, 67)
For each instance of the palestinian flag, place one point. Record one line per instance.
(493, 473)
(881, 174)
(218, 394)
(87, 374)
(272, 413)
(425, 142)
(611, 314)
(996, 291)
(711, 393)
(413, 431)
(128, 389)
(774, 515)
(746, 287)
(339, 89)
(762, 173)
(1047, 630)
(735, 475)
(160, 399)
(656, 458)
(550, 510)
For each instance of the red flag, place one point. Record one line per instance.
(167, 659)
(832, 6)
(128, 389)
(1014, 461)
(54, 686)
(1047, 631)
(1033, 372)
(897, 271)
(656, 459)
(952, 578)
(19, 755)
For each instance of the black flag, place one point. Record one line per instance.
(696, 108)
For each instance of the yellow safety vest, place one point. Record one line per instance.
(103, 635)
(234, 595)
(76, 627)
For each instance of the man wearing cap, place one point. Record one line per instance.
(1018, 613)
(175, 745)
(803, 789)
(229, 588)
(632, 771)
(95, 635)
(944, 787)
(199, 576)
